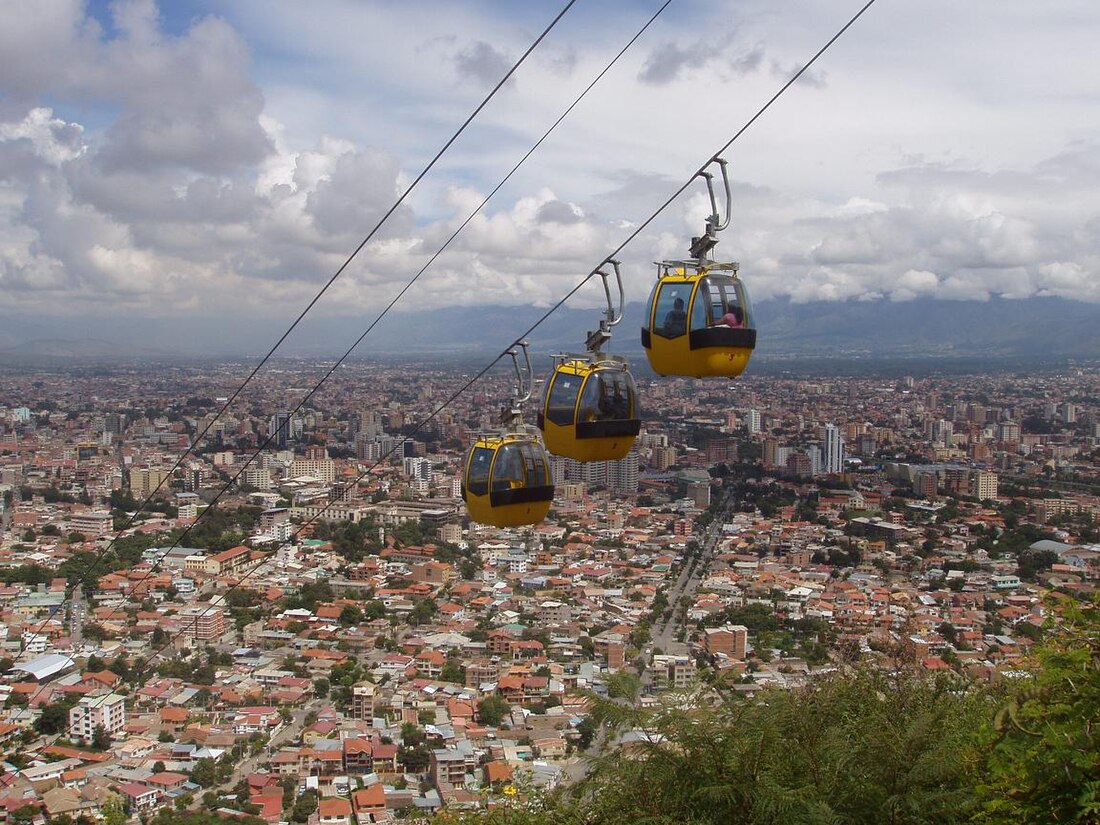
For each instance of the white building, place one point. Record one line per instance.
(92, 711)
(834, 450)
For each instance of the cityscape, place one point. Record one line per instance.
(285, 611)
(643, 412)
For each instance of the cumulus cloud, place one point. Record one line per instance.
(49, 139)
(673, 62)
(177, 191)
(482, 62)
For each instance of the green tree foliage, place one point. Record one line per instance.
(411, 735)
(310, 595)
(101, 739)
(54, 718)
(453, 671)
(113, 813)
(350, 614)
(27, 574)
(1043, 746)
(305, 805)
(221, 529)
(167, 816)
(422, 612)
(493, 709)
(205, 773)
(847, 750)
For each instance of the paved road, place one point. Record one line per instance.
(664, 636)
(289, 733)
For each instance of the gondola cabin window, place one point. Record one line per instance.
(670, 310)
(608, 396)
(725, 300)
(477, 480)
(562, 400)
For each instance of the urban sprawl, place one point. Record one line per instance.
(302, 624)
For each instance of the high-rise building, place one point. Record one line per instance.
(834, 450)
(664, 457)
(144, 480)
(114, 423)
(202, 624)
(619, 476)
(983, 484)
(92, 711)
(770, 453)
(943, 432)
(622, 475)
(752, 422)
(258, 477)
(284, 429)
(323, 469)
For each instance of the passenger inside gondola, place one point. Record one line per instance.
(734, 317)
(508, 469)
(675, 320)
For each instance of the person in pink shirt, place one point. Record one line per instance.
(734, 318)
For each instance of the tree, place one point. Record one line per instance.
(1043, 746)
(865, 748)
(320, 688)
(205, 773)
(306, 805)
(411, 735)
(586, 730)
(415, 759)
(493, 709)
(158, 767)
(350, 615)
(453, 672)
(422, 612)
(101, 739)
(54, 718)
(290, 790)
(113, 813)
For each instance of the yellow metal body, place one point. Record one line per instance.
(703, 350)
(506, 498)
(588, 433)
(600, 418)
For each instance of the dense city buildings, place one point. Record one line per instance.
(293, 597)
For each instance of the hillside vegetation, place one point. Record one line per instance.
(859, 747)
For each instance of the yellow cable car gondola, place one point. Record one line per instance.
(699, 322)
(589, 409)
(506, 481)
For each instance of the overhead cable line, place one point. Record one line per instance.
(394, 301)
(267, 441)
(84, 580)
(240, 581)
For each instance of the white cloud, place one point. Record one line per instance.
(234, 162)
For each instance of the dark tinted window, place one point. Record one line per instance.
(562, 398)
(477, 477)
(670, 315)
(609, 395)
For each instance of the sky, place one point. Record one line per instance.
(214, 160)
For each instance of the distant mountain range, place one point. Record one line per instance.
(1037, 328)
